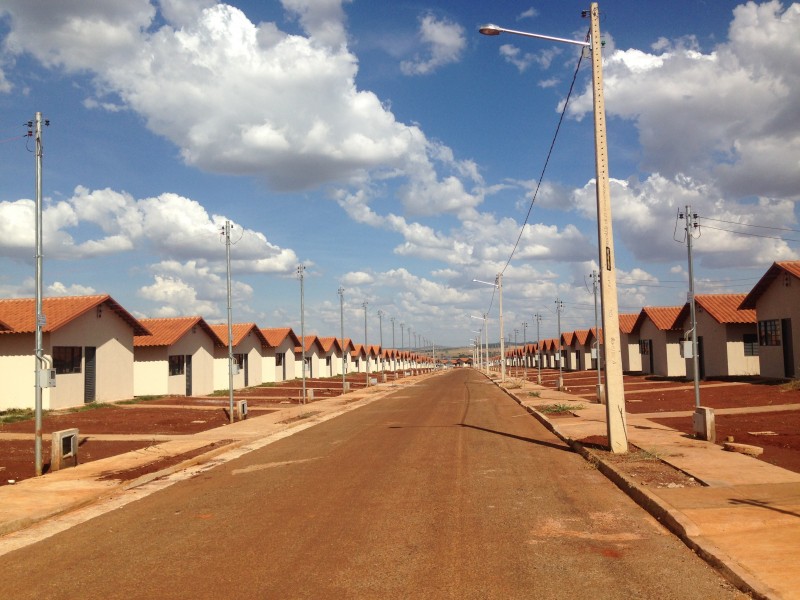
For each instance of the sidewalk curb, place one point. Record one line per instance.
(674, 521)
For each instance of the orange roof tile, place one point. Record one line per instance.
(627, 321)
(566, 338)
(166, 332)
(663, 317)
(790, 267)
(240, 331)
(723, 308)
(330, 343)
(581, 335)
(19, 314)
(309, 341)
(276, 335)
(593, 334)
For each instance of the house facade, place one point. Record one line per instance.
(88, 340)
(776, 300)
(249, 346)
(176, 359)
(629, 343)
(659, 341)
(278, 361)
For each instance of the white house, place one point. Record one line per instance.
(279, 354)
(88, 340)
(176, 359)
(249, 345)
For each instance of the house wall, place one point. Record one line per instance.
(780, 301)
(201, 348)
(667, 359)
(251, 346)
(17, 366)
(150, 371)
(631, 358)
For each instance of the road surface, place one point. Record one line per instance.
(446, 489)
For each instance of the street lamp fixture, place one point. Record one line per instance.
(612, 354)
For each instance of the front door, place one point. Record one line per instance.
(788, 350)
(188, 374)
(246, 374)
(701, 357)
(89, 374)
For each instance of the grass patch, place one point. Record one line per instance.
(265, 384)
(139, 399)
(13, 415)
(90, 406)
(791, 386)
(556, 409)
(535, 394)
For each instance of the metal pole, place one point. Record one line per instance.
(366, 348)
(230, 318)
(341, 322)
(600, 392)
(559, 306)
(300, 270)
(502, 341)
(538, 318)
(380, 327)
(695, 358)
(612, 352)
(486, 344)
(524, 355)
(39, 351)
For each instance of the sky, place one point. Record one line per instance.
(395, 153)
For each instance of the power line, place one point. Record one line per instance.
(750, 225)
(758, 235)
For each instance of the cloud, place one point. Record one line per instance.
(729, 114)
(522, 61)
(444, 40)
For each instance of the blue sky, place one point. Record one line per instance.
(393, 151)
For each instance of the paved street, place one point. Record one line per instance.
(447, 489)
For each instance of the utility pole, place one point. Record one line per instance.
(402, 339)
(366, 348)
(601, 396)
(40, 317)
(341, 324)
(392, 320)
(301, 276)
(524, 355)
(499, 282)
(538, 318)
(380, 327)
(690, 227)
(227, 231)
(559, 308)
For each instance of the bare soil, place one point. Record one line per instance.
(778, 433)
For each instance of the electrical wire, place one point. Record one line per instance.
(749, 225)
(547, 160)
(758, 235)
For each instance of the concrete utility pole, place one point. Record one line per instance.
(341, 324)
(392, 320)
(524, 354)
(380, 327)
(227, 232)
(499, 282)
(402, 339)
(690, 228)
(300, 275)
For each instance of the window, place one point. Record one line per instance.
(750, 341)
(239, 360)
(279, 359)
(177, 364)
(644, 346)
(769, 333)
(67, 359)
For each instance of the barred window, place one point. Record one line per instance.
(750, 344)
(67, 359)
(644, 346)
(177, 364)
(769, 333)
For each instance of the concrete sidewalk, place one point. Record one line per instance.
(32, 501)
(745, 521)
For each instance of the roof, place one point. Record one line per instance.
(791, 267)
(581, 336)
(166, 332)
(593, 333)
(566, 338)
(723, 308)
(358, 349)
(330, 343)
(309, 341)
(240, 331)
(627, 321)
(663, 317)
(276, 335)
(18, 315)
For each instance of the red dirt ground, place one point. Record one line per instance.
(780, 449)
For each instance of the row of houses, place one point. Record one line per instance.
(737, 334)
(100, 352)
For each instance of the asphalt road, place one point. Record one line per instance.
(446, 489)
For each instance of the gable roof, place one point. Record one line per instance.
(276, 335)
(18, 315)
(239, 331)
(166, 332)
(581, 335)
(790, 267)
(595, 334)
(723, 308)
(566, 337)
(309, 341)
(330, 343)
(627, 321)
(663, 317)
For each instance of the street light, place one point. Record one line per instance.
(498, 283)
(486, 343)
(612, 354)
(341, 324)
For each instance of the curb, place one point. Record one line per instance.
(674, 521)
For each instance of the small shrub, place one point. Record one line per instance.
(552, 409)
(535, 394)
(13, 415)
(792, 385)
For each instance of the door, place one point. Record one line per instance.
(788, 350)
(89, 374)
(650, 355)
(188, 374)
(246, 374)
